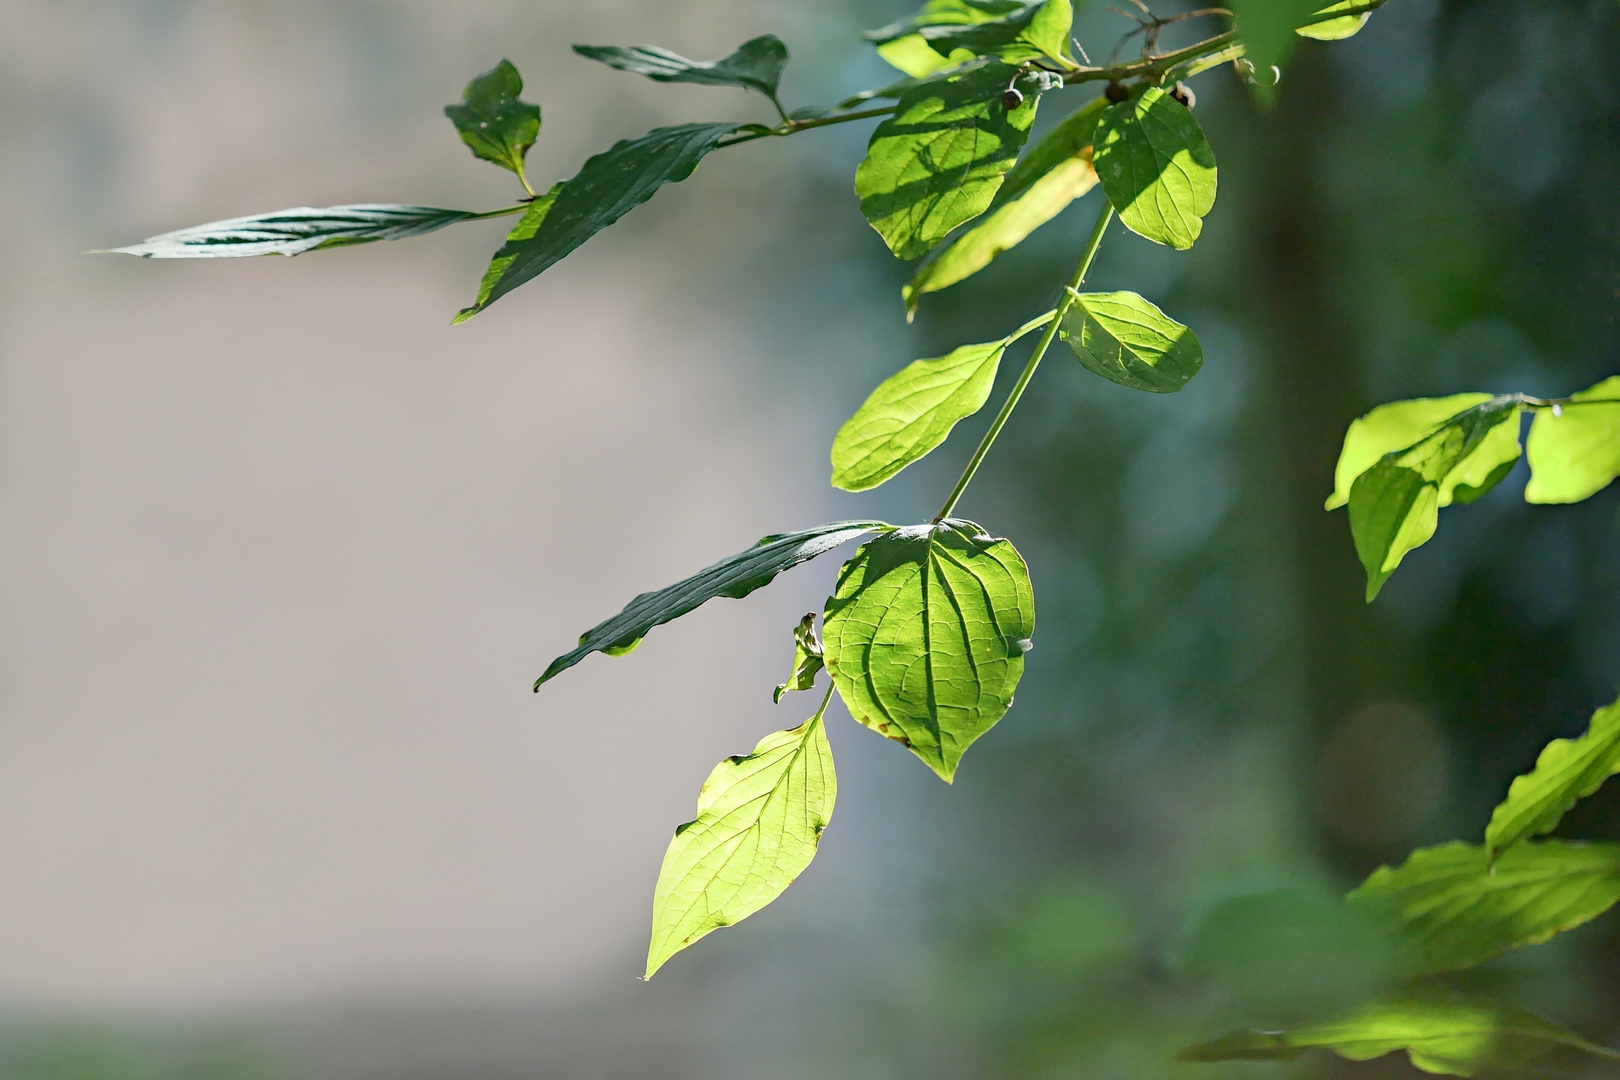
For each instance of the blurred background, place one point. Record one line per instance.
(283, 552)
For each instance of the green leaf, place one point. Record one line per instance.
(926, 634)
(1056, 171)
(527, 226)
(1156, 167)
(1265, 28)
(1567, 770)
(1575, 449)
(759, 820)
(610, 185)
(1441, 1032)
(1395, 505)
(735, 577)
(939, 160)
(807, 662)
(1127, 340)
(295, 231)
(1336, 29)
(914, 56)
(1037, 29)
(756, 65)
(1451, 907)
(946, 13)
(494, 124)
(1395, 426)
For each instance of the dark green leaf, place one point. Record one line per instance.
(760, 818)
(494, 124)
(939, 160)
(735, 577)
(1575, 449)
(807, 662)
(1440, 1032)
(527, 226)
(1567, 770)
(1158, 170)
(609, 186)
(1127, 340)
(756, 65)
(295, 231)
(1451, 908)
(926, 635)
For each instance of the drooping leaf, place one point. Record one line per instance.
(610, 185)
(1441, 1032)
(939, 160)
(756, 65)
(1395, 505)
(1567, 771)
(1391, 427)
(926, 634)
(1335, 29)
(295, 231)
(527, 226)
(1575, 449)
(807, 662)
(759, 820)
(1265, 28)
(1451, 907)
(1156, 167)
(1053, 173)
(1128, 340)
(735, 577)
(493, 122)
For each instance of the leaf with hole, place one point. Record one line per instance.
(295, 231)
(1156, 167)
(760, 818)
(807, 662)
(1129, 341)
(756, 65)
(1567, 771)
(494, 123)
(1575, 450)
(925, 636)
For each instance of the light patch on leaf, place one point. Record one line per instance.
(1157, 168)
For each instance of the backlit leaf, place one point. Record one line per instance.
(610, 185)
(759, 820)
(807, 661)
(1567, 770)
(493, 122)
(1441, 1032)
(295, 231)
(1395, 426)
(1035, 29)
(926, 634)
(1127, 340)
(1335, 29)
(756, 65)
(735, 577)
(1575, 451)
(1158, 170)
(1451, 908)
(527, 226)
(939, 160)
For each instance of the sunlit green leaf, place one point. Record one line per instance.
(610, 185)
(1336, 29)
(926, 634)
(914, 56)
(939, 160)
(1567, 771)
(295, 231)
(1051, 174)
(1451, 907)
(807, 662)
(946, 13)
(1441, 1032)
(756, 65)
(1158, 170)
(1395, 426)
(759, 820)
(735, 577)
(527, 226)
(493, 122)
(1035, 29)
(1395, 505)
(1127, 340)
(1575, 449)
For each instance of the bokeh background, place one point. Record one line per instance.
(283, 551)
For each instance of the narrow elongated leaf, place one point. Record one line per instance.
(1567, 771)
(756, 65)
(1395, 505)
(295, 231)
(926, 633)
(1128, 340)
(1451, 908)
(1335, 29)
(807, 661)
(1441, 1032)
(735, 577)
(1391, 427)
(610, 185)
(493, 122)
(1575, 450)
(939, 160)
(1156, 167)
(759, 820)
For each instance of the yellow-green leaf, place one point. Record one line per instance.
(807, 662)
(1127, 340)
(1575, 449)
(1157, 168)
(1336, 29)
(1567, 771)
